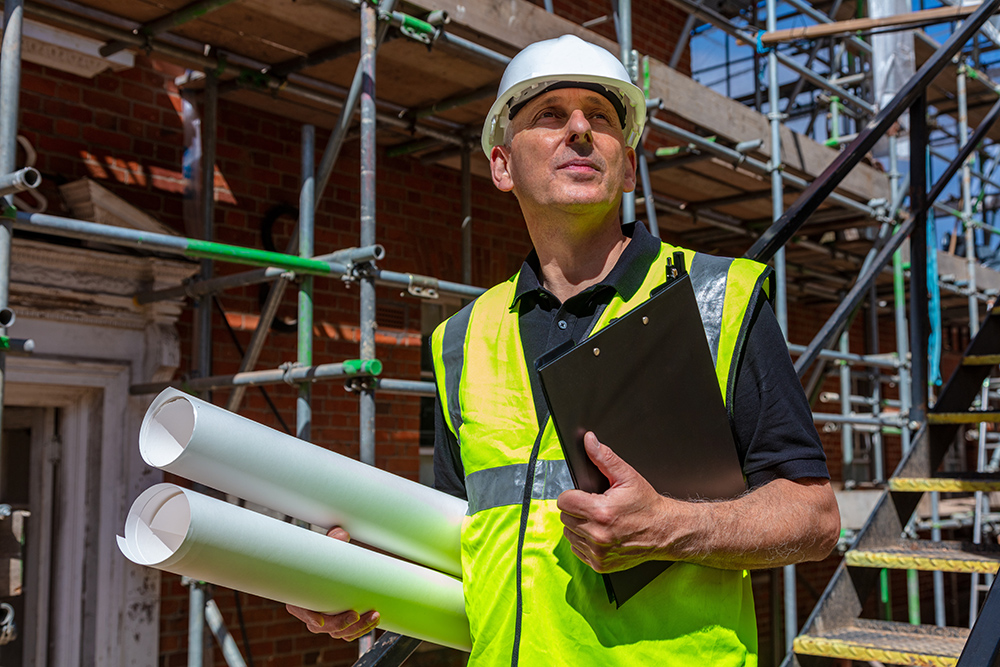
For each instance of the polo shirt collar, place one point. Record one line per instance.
(625, 278)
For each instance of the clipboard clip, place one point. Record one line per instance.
(675, 266)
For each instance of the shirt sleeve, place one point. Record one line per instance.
(773, 423)
(449, 474)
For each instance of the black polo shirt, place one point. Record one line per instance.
(771, 418)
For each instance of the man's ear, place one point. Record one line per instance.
(500, 169)
(629, 166)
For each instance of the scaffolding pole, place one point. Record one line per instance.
(624, 25)
(899, 302)
(10, 89)
(202, 339)
(307, 195)
(367, 283)
(366, 400)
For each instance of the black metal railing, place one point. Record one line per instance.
(982, 649)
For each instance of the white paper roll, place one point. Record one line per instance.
(190, 534)
(207, 444)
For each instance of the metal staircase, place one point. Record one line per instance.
(835, 629)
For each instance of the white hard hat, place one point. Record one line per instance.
(560, 63)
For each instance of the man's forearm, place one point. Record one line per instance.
(777, 524)
(781, 523)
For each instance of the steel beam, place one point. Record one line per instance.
(919, 202)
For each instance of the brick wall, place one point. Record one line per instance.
(125, 131)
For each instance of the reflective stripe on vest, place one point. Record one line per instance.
(496, 487)
(689, 615)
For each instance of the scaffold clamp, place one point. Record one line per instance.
(287, 369)
(358, 384)
(423, 287)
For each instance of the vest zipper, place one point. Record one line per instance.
(529, 482)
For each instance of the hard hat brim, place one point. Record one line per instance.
(634, 101)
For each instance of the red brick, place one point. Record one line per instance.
(39, 85)
(106, 139)
(104, 101)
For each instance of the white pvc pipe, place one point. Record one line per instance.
(193, 535)
(204, 443)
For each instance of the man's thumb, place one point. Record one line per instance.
(610, 464)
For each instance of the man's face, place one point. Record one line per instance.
(566, 151)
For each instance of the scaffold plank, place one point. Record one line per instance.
(518, 23)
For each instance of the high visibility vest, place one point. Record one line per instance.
(529, 599)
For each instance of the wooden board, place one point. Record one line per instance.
(519, 23)
(140, 11)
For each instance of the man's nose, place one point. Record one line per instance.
(579, 128)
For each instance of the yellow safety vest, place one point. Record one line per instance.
(529, 599)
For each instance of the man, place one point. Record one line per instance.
(562, 138)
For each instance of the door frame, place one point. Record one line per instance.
(102, 609)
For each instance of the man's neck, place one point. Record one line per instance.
(573, 255)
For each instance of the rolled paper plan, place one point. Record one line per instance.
(178, 530)
(204, 443)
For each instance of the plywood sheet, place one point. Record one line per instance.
(268, 39)
(736, 176)
(689, 186)
(140, 11)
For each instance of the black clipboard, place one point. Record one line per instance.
(649, 372)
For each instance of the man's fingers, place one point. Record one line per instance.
(340, 625)
(348, 625)
(368, 622)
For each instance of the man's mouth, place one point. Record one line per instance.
(579, 165)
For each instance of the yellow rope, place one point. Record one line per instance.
(941, 484)
(925, 563)
(838, 649)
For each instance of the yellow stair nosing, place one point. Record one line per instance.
(895, 561)
(942, 484)
(974, 417)
(981, 360)
(821, 646)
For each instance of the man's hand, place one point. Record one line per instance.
(780, 523)
(349, 625)
(622, 527)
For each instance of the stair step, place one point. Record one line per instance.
(929, 557)
(981, 360)
(944, 484)
(887, 642)
(971, 417)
